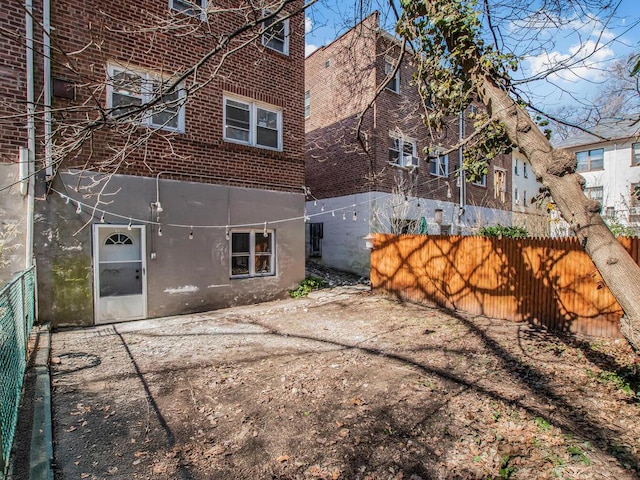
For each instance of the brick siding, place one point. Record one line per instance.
(130, 34)
(342, 79)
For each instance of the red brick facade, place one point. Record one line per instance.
(148, 36)
(342, 79)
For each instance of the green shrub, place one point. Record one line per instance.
(503, 231)
(306, 285)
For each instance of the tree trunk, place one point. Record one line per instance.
(555, 168)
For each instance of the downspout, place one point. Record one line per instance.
(31, 131)
(46, 52)
(462, 174)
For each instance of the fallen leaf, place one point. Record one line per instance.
(282, 458)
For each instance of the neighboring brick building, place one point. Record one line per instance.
(192, 205)
(373, 166)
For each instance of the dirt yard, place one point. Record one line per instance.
(342, 385)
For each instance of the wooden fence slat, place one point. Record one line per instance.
(549, 282)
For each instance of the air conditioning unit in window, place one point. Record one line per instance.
(634, 210)
(409, 161)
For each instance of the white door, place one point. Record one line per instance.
(120, 286)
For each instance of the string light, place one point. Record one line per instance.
(315, 203)
(102, 218)
(129, 226)
(79, 209)
(66, 200)
(344, 215)
(226, 232)
(322, 208)
(355, 215)
(264, 231)
(333, 213)
(191, 233)
(159, 230)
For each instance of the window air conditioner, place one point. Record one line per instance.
(410, 161)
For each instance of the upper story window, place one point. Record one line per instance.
(499, 184)
(594, 193)
(307, 103)
(635, 154)
(252, 253)
(439, 165)
(480, 181)
(402, 152)
(128, 90)
(252, 123)
(590, 160)
(394, 82)
(515, 166)
(525, 173)
(195, 8)
(276, 34)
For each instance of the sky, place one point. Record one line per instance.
(589, 42)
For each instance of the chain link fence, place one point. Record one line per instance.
(17, 313)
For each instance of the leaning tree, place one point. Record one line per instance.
(460, 52)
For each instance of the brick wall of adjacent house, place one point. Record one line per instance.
(13, 81)
(342, 79)
(90, 35)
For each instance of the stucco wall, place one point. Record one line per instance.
(185, 275)
(13, 222)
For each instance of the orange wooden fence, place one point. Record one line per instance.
(548, 282)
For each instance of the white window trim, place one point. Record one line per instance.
(402, 160)
(147, 79)
(252, 253)
(202, 9)
(266, 37)
(439, 160)
(396, 77)
(482, 182)
(253, 126)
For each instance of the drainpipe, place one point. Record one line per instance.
(31, 131)
(46, 52)
(463, 179)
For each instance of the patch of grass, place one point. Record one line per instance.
(306, 286)
(505, 471)
(578, 454)
(624, 379)
(542, 424)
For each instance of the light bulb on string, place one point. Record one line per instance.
(448, 191)
(315, 203)
(102, 218)
(129, 226)
(333, 213)
(66, 200)
(226, 232)
(322, 208)
(264, 231)
(191, 233)
(344, 215)
(159, 230)
(355, 215)
(79, 209)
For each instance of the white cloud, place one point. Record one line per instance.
(309, 49)
(308, 24)
(582, 61)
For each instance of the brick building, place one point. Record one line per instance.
(173, 162)
(372, 165)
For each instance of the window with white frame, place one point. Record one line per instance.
(480, 180)
(635, 154)
(394, 82)
(129, 90)
(590, 160)
(516, 196)
(252, 123)
(439, 165)
(195, 8)
(252, 253)
(402, 152)
(307, 103)
(499, 184)
(276, 33)
(525, 173)
(515, 166)
(595, 193)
